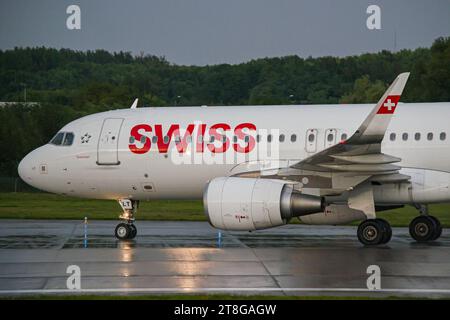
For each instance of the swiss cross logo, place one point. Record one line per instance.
(389, 105)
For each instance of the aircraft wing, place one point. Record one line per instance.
(360, 155)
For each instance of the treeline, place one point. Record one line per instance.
(68, 84)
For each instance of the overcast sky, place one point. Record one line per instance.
(225, 31)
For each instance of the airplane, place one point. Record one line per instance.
(258, 167)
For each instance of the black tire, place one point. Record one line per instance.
(387, 231)
(423, 228)
(438, 231)
(122, 231)
(371, 232)
(133, 232)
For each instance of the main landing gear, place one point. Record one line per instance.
(374, 232)
(425, 228)
(127, 230)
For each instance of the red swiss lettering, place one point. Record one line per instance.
(137, 136)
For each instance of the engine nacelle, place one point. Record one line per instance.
(251, 204)
(334, 214)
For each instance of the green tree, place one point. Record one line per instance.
(365, 91)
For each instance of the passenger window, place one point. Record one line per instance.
(166, 139)
(311, 137)
(155, 139)
(246, 139)
(405, 136)
(282, 137)
(212, 139)
(293, 138)
(143, 139)
(330, 137)
(68, 139)
(57, 140)
(442, 136)
(235, 139)
(417, 136)
(392, 136)
(430, 136)
(200, 139)
(269, 138)
(132, 139)
(224, 139)
(343, 137)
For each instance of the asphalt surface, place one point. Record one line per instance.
(192, 257)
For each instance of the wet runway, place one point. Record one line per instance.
(192, 257)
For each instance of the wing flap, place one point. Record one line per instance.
(391, 178)
(368, 158)
(372, 167)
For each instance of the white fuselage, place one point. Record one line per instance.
(100, 162)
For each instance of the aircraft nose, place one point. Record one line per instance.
(33, 168)
(25, 167)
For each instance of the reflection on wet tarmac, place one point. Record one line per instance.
(152, 242)
(72, 234)
(192, 255)
(29, 242)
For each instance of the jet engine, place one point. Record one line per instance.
(251, 204)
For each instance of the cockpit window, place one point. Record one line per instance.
(63, 138)
(57, 140)
(68, 139)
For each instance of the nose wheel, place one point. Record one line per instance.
(127, 230)
(133, 231)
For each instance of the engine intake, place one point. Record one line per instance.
(251, 204)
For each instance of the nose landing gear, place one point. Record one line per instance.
(127, 230)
